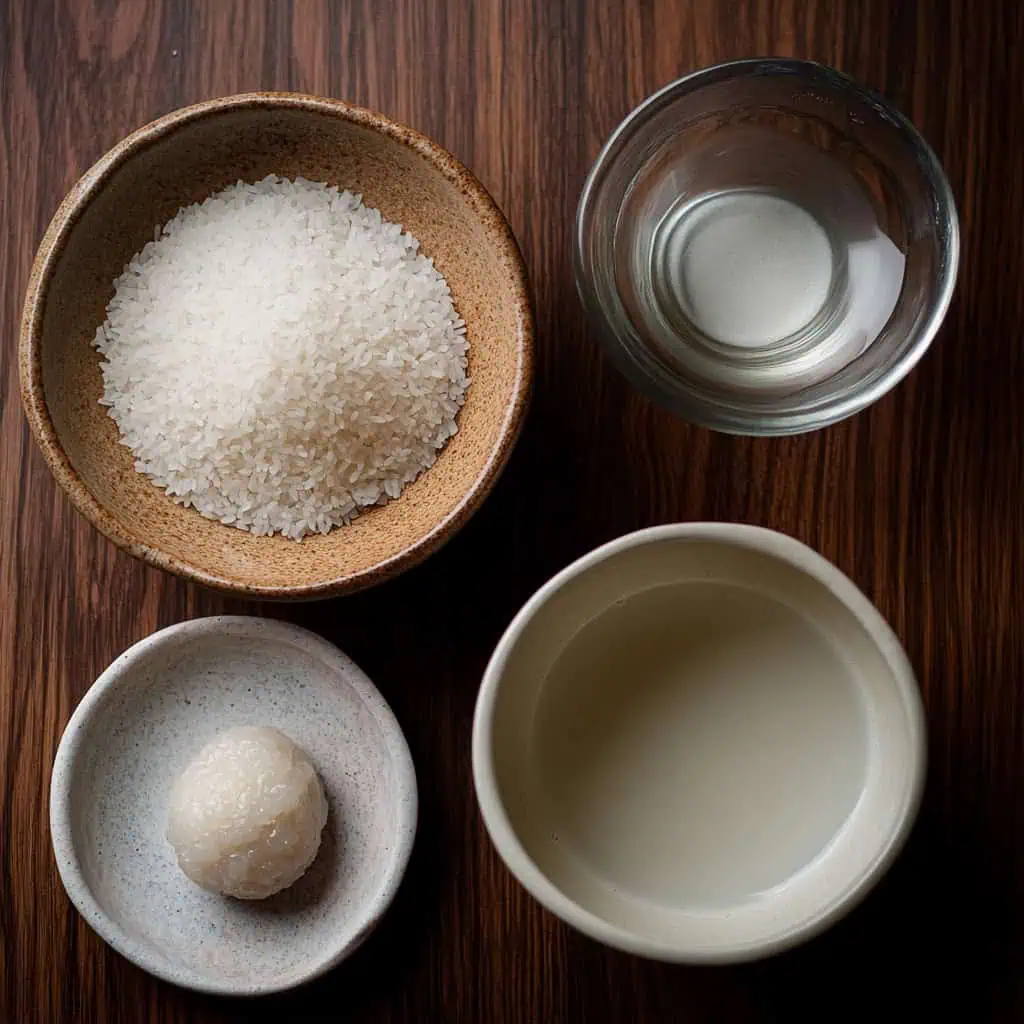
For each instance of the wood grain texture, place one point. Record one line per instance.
(919, 499)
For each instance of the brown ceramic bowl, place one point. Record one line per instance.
(183, 157)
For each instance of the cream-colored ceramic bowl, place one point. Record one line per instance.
(699, 743)
(182, 158)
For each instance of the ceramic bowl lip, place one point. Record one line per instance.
(52, 245)
(118, 676)
(520, 863)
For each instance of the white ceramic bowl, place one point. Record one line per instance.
(699, 743)
(135, 730)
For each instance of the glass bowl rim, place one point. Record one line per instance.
(733, 417)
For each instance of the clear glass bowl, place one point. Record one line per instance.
(766, 247)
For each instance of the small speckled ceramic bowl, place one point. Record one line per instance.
(135, 730)
(182, 158)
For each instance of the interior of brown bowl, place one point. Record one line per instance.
(180, 162)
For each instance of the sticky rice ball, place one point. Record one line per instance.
(246, 815)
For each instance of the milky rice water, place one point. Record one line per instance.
(280, 357)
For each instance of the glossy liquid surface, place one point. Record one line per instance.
(698, 744)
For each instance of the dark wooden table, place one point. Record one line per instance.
(920, 500)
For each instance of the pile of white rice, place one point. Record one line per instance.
(281, 356)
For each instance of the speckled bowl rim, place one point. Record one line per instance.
(119, 675)
(70, 210)
(693, 950)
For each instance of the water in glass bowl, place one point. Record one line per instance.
(757, 260)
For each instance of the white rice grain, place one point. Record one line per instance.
(281, 356)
